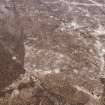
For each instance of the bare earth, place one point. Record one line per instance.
(65, 50)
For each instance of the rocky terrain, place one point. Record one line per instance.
(64, 50)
